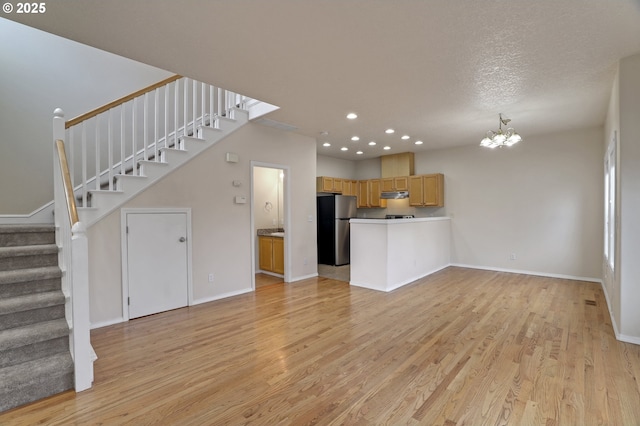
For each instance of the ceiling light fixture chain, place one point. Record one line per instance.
(501, 139)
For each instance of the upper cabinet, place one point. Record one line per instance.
(426, 190)
(329, 184)
(375, 188)
(349, 187)
(336, 185)
(369, 194)
(363, 194)
(398, 183)
(397, 165)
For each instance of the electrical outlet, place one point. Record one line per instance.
(513, 256)
(210, 278)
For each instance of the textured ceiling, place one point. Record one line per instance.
(438, 71)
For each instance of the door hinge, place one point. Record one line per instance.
(128, 301)
(127, 230)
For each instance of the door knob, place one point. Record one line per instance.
(182, 239)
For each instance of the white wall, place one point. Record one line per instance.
(336, 167)
(541, 199)
(39, 73)
(222, 231)
(368, 169)
(629, 195)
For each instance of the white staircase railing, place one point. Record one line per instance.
(115, 138)
(73, 260)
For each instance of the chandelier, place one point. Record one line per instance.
(500, 138)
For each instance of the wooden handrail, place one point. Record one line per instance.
(68, 188)
(120, 101)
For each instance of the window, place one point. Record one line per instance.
(610, 203)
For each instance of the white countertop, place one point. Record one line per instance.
(393, 221)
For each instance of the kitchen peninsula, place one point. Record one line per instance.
(389, 253)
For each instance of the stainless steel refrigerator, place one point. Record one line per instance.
(334, 212)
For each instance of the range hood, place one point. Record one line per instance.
(394, 195)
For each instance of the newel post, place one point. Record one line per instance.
(80, 305)
(58, 133)
(58, 124)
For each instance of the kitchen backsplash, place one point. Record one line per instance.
(402, 207)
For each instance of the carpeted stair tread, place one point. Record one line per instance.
(32, 250)
(31, 301)
(30, 274)
(35, 379)
(30, 371)
(11, 229)
(21, 235)
(24, 257)
(33, 333)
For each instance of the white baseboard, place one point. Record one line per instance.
(303, 277)
(195, 302)
(613, 319)
(525, 272)
(401, 284)
(273, 274)
(628, 339)
(222, 296)
(621, 337)
(107, 323)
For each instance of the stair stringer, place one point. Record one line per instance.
(127, 186)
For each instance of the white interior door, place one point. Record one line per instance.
(157, 262)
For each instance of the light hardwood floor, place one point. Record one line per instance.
(459, 347)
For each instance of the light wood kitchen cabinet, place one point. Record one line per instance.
(401, 183)
(401, 164)
(386, 184)
(398, 183)
(271, 254)
(369, 194)
(329, 184)
(337, 185)
(375, 188)
(426, 190)
(362, 194)
(350, 187)
(278, 255)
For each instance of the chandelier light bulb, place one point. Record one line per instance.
(497, 138)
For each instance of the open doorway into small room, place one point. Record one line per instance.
(270, 224)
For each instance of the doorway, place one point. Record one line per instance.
(269, 214)
(155, 261)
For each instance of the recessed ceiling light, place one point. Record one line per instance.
(326, 144)
(389, 131)
(387, 148)
(355, 138)
(344, 148)
(352, 116)
(405, 137)
(418, 142)
(359, 152)
(372, 143)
